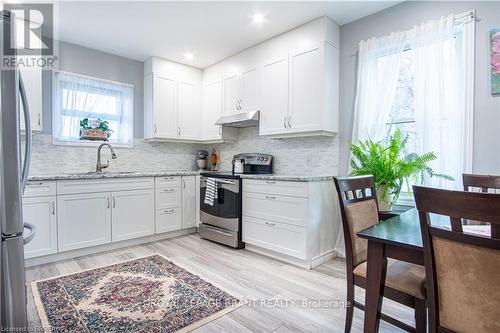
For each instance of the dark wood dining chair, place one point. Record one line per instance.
(480, 183)
(462, 269)
(404, 281)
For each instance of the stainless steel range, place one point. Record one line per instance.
(220, 199)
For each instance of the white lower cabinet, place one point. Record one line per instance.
(189, 202)
(280, 237)
(83, 220)
(132, 214)
(168, 220)
(297, 222)
(76, 214)
(41, 212)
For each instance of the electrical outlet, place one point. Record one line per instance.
(309, 160)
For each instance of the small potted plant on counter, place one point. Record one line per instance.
(94, 129)
(390, 167)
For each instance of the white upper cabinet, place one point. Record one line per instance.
(241, 91)
(188, 111)
(250, 89)
(274, 109)
(172, 104)
(231, 94)
(306, 111)
(165, 110)
(292, 79)
(212, 110)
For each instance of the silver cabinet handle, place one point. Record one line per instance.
(53, 208)
(284, 122)
(107, 200)
(289, 121)
(178, 131)
(114, 202)
(155, 128)
(169, 211)
(169, 190)
(168, 178)
(270, 224)
(271, 197)
(183, 183)
(220, 130)
(39, 120)
(270, 182)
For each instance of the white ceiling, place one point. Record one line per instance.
(211, 31)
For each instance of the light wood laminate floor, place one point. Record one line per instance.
(250, 275)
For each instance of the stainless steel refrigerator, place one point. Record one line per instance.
(14, 170)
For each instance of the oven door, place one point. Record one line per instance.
(226, 211)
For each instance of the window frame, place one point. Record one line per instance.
(58, 113)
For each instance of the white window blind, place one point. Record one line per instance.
(76, 97)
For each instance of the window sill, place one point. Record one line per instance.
(85, 143)
(405, 199)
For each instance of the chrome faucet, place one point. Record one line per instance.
(100, 165)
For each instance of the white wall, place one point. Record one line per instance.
(402, 17)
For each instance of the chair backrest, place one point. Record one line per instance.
(483, 183)
(359, 210)
(462, 269)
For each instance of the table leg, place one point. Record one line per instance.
(375, 280)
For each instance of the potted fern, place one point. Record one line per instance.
(390, 166)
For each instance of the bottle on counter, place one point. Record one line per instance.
(214, 159)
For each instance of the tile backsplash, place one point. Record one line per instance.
(315, 155)
(308, 155)
(49, 159)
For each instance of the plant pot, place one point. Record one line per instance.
(94, 134)
(384, 198)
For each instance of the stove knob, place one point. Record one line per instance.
(266, 159)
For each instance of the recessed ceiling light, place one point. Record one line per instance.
(258, 18)
(189, 56)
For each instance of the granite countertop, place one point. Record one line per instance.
(117, 174)
(289, 177)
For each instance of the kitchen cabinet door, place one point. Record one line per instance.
(41, 212)
(133, 214)
(83, 220)
(250, 89)
(306, 91)
(168, 220)
(189, 202)
(231, 94)
(274, 108)
(32, 80)
(188, 110)
(165, 108)
(212, 110)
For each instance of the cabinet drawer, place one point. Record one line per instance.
(103, 185)
(40, 189)
(296, 189)
(280, 208)
(168, 220)
(168, 181)
(168, 197)
(283, 238)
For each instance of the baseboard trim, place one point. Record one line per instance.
(323, 257)
(105, 247)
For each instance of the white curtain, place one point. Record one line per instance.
(443, 97)
(77, 97)
(378, 72)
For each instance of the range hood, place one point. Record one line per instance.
(242, 119)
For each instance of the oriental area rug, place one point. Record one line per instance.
(149, 294)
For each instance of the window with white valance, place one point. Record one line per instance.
(421, 81)
(76, 97)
